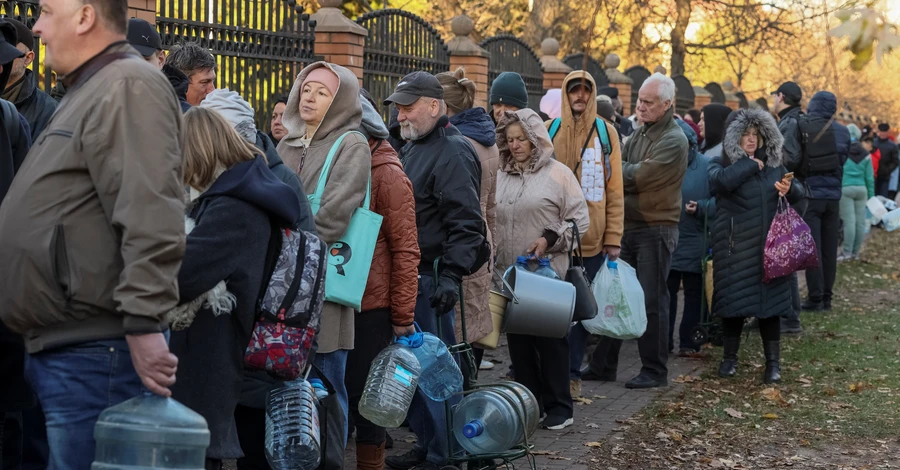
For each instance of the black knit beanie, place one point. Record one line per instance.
(509, 88)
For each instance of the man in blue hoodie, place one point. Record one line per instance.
(824, 154)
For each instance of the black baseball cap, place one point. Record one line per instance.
(414, 86)
(884, 127)
(143, 37)
(578, 82)
(8, 40)
(791, 91)
(23, 34)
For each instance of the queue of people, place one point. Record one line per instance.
(180, 191)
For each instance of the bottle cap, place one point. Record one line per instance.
(317, 383)
(473, 429)
(521, 259)
(412, 341)
(612, 265)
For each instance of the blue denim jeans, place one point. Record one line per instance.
(334, 366)
(74, 384)
(578, 336)
(427, 417)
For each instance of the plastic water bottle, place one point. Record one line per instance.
(544, 269)
(150, 431)
(440, 378)
(489, 420)
(319, 388)
(891, 220)
(292, 427)
(390, 386)
(615, 294)
(521, 262)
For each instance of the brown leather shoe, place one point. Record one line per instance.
(369, 457)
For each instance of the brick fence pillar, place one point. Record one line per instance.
(338, 39)
(470, 56)
(619, 81)
(701, 97)
(143, 9)
(555, 70)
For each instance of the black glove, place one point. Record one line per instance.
(446, 293)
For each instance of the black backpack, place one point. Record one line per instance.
(820, 153)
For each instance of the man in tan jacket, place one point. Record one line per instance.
(593, 154)
(92, 229)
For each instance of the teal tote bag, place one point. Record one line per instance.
(349, 258)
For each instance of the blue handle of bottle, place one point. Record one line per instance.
(473, 429)
(414, 340)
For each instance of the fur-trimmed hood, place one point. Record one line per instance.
(542, 151)
(772, 140)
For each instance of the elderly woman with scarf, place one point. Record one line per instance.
(536, 197)
(697, 212)
(712, 128)
(748, 180)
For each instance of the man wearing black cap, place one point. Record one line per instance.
(446, 176)
(144, 37)
(786, 105)
(889, 159)
(21, 89)
(626, 127)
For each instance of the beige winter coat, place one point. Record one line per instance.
(542, 197)
(477, 287)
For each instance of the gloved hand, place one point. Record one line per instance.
(446, 293)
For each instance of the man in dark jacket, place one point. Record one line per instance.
(21, 88)
(653, 166)
(145, 39)
(446, 176)
(890, 159)
(787, 108)
(198, 66)
(825, 189)
(625, 126)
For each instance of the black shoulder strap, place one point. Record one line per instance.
(272, 252)
(584, 147)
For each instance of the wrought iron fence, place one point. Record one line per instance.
(259, 45)
(398, 43)
(577, 62)
(27, 11)
(511, 54)
(684, 94)
(637, 74)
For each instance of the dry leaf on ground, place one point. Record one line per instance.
(593, 444)
(734, 413)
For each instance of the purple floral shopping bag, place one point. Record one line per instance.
(789, 246)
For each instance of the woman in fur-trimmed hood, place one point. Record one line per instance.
(536, 195)
(746, 181)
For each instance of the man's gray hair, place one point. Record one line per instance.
(666, 91)
(191, 58)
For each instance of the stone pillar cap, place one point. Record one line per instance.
(700, 91)
(329, 19)
(462, 45)
(549, 60)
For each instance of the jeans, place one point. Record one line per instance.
(427, 418)
(649, 251)
(578, 336)
(334, 365)
(541, 367)
(373, 334)
(882, 187)
(74, 384)
(853, 213)
(824, 219)
(693, 291)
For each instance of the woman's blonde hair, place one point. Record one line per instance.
(459, 91)
(209, 143)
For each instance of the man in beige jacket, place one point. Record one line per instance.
(92, 229)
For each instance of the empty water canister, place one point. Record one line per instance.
(490, 420)
(440, 377)
(150, 431)
(390, 386)
(292, 427)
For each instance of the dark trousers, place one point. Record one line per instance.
(693, 292)
(649, 251)
(542, 366)
(578, 336)
(882, 187)
(251, 430)
(824, 220)
(373, 334)
(769, 328)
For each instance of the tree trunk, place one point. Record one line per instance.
(636, 42)
(679, 50)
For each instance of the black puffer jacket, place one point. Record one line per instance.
(289, 177)
(446, 176)
(36, 106)
(746, 203)
(180, 83)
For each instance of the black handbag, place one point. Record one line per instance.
(585, 303)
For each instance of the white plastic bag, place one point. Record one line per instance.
(876, 207)
(891, 220)
(620, 298)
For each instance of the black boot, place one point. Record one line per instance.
(772, 351)
(728, 367)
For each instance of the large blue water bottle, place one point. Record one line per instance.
(292, 427)
(150, 431)
(440, 378)
(544, 269)
(391, 385)
(521, 263)
(494, 419)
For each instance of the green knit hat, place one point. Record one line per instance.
(509, 88)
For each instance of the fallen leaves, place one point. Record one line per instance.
(593, 444)
(774, 394)
(582, 400)
(770, 416)
(686, 379)
(734, 413)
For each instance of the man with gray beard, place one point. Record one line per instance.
(446, 176)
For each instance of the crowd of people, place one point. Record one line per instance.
(98, 176)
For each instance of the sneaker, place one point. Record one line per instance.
(842, 257)
(485, 365)
(557, 422)
(575, 388)
(810, 306)
(426, 465)
(412, 458)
